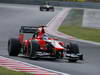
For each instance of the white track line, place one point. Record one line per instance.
(53, 25)
(31, 65)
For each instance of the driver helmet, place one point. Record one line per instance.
(45, 37)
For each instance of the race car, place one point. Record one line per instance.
(46, 8)
(40, 45)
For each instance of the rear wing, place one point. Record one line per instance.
(28, 29)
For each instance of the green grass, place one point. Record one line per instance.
(72, 26)
(74, 17)
(4, 71)
(81, 32)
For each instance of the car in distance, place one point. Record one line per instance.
(46, 8)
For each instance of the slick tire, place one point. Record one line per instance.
(13, 47)
(47, 9)
(81, 57)
(33, 48)
(73, 48)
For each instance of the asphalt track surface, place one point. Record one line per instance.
(13, 16)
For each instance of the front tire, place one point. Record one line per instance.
(72, 48)
(13, 47)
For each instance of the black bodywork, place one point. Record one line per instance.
(46, 8)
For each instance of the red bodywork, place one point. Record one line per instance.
(40, 40)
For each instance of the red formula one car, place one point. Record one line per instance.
(40, 44)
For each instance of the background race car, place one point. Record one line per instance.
(46, 8)
(40, 45)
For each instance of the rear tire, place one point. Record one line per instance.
(13, 47)
(81, 57)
